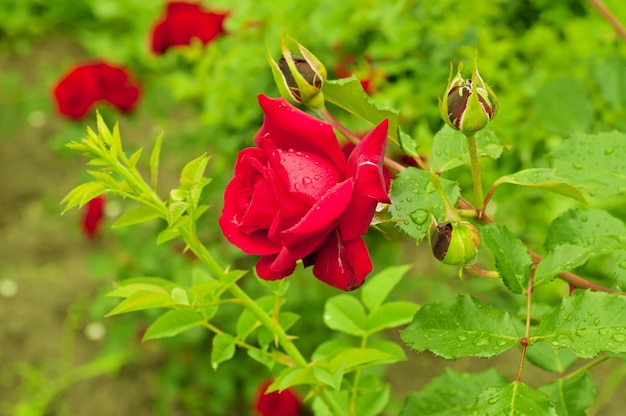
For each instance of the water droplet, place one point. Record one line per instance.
(618, 337)
(297, 186)
(577, 165)
(596, 321)
(409, 199)
(603, 331)
(609, 150)
(481, 341)
(568, 317)
(461, 337)
(622, 265)
(420, 216)
(306, 180)
(584, 218)
(501, 342)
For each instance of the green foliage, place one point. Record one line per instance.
(451, 393)
(586, 323)
(462, 327)
(415, 201)
(450, 148)
(513, 399)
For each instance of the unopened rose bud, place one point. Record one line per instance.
(299, 78)
(468, 104)
(455, 243)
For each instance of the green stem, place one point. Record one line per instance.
(451, 213)
(286, 343)
(355, 384)
(479, 201)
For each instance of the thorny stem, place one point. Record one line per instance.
(524, 341)
(354, 139)
(609, 17)
(476, 179)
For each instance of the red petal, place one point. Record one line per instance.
(342, 264)
(289, 128)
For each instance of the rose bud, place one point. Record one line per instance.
(299, 78)
(455, 243)
(468, 104)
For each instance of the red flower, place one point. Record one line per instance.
(296, 196)
(87, 84)
(368, 76)
(183, 22)
(285, 403)
(93, 215)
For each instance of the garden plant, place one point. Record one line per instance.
(353, 208)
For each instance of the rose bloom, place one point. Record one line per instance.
(93, 214)
(285, 403)
(183, 22)
(296, 196)
(85, 85)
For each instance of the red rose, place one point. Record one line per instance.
(284, 403)
(92, 216)
(296, 196)
(183, 22)
(85, 85)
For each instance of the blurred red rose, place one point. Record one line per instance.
(184, 21)
(93, 214)
(85, 85)
(365, 72)
(296, 196)
(285, 403)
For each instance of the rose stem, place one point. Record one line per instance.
(476, 179)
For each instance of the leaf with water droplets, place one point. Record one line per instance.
(451, 393)
(450, 148)
(586, 228)
(511, 256)
(593, 163)
(462, 327)
(572, 395)
(414, 201)
(544, 356)
(586, 323)
(514, 399)
(542, 178)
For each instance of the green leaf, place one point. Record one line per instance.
(328, 349)
(451, 393)
(514, 399)
(594, 163)
(175, 211)
(154, 162)
(352, 358)
(563, 106)
(142, 300)
(172, 231)
(586, 323)
(172, 323)
(290, 377)
(348, 94)
(390, 315)
(82, 194)
(395, 351)
(134, 158)
(345, 314)
(450, 148)
(572, 396)
(562, 258)
(130, 289)
(136, 215)
(511, 255)
(372, 402)
(595, 228)
(543, 178)
(179, 296)
(263, 357)
(461, 327)
(325, 376)
(415, 201)
(248, 322)
(193, 172)
(223, 349)
(378, 287)
(551, 359)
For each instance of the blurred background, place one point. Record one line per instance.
(557, 66)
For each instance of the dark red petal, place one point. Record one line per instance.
(93, 215)
(266, 270)
(342, 264)
(285, 403)
(292, 129)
